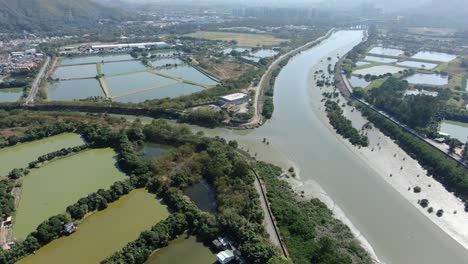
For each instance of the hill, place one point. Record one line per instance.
(51, 15)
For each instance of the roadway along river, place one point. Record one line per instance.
(396, 230)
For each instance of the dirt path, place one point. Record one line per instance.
(268, 220)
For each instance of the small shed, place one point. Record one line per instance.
(8, 220)
(217, 244)
(69, 228)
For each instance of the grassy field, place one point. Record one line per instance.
(243, 39)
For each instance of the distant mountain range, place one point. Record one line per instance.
(50, 15)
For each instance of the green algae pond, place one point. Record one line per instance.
(104, 232)
(183, 250)
(48, 190)
(20, 155)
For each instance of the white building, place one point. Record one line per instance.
(130, 46)
(235, 99)
(17, 54)
(225, 256)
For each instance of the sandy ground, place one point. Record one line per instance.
(399, 170)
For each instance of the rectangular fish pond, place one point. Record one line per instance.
(431, 79)
(10, 95)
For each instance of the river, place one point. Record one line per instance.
(298, 137)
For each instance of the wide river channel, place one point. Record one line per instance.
(397, 231)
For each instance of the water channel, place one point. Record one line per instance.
(298, 136)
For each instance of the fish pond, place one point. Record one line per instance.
(152, 150)
(190, 74)
(379, 70)
(166, 62)
(431, 79)
(238, 49)
(127, 84)
(10, 95)
(203, 195)
(264, 53)
(74, 90)
(114, 68)
(380, 59)
(386, 51)
(358, 82)
(75, 72)
(250, 58)
(170, 91)
(19, 156)
(95, 59)
(105, 232)
(183, 250)
(48, 191)
(434, 56)
(362, 63)
(456, 130)
(417, 64)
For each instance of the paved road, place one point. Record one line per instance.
(37, 81)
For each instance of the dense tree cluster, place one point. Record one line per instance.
(7, 201)
(445, 170)
(343, 126)
(138, 251)
(311, 233)
(59, 153)
(416, 111)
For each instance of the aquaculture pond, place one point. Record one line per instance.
(153, 150)
(104, 232)
(456, 130)
(202, 194)
(10, 95)
(74, 72)
(48, 191)
(190, 74)
(171, 91)
(358, 82)
(165, 62)
(362, 63)
(386, 51)
(73, 90)
(434, 56)
(113, 68)
(238, 49)
(127, 84)
(19, 156)
(379, 59)
(264, 53)
(94, 59)
(379, 70)
(250, 58)
(431, 79)
(417, 64)
(183, 250)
